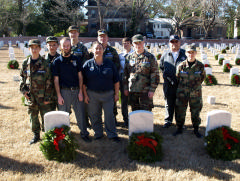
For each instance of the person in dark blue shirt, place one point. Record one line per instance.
(68, 81)
(101, 89)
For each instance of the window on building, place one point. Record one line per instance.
(93, 25)
(93, 12)
(166, 26)
(219, 30)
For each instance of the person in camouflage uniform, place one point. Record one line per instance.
(190, 75)
(52, 45)
(77, 48)
(141, 76)
(36, 86)
(109, 54)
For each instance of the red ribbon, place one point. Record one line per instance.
(151, 143)
(210, 79)
(236, 77)
(228, 66)
(226, 136)
(59, 137)
(206, 65)
(12, 66)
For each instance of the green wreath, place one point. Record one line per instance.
(235, 79)
(210, 80)
(145, 147)
(227, 67)
(58, 144)
(220, 61)
(237, 61)
(223, 143)
(158, 56)
(216, 57)
(13, 64)
(223, 51)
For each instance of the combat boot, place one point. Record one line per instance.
(35, 139)
(196, 132)
(179, 131)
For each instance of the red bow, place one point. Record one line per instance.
(151, 143)
(12, 66)
(210, 79)
(206, 65)
(226, 135)
(236, 77)
(59, 137)
(228, 66)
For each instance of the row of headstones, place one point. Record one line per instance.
(139, 121)
(1, 44)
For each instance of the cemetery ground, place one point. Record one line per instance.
(184, 156)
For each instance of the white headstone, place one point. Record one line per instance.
(55, 119)
(16, 78)
(234, 70)
(217, 118)
(220, 56)
(140, 121)
(208, 70)
(205, 61)
(211, 99)
(225, 62)
(12, 56)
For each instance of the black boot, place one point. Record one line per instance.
(179, 131)
(35, 139)
(196, 132)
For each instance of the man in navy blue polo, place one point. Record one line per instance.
(68, 83)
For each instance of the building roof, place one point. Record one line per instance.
(161, 20)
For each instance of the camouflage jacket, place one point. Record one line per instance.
(81, 52)
(141, 73)
(111, 54)
(37, 80)
(190, 78)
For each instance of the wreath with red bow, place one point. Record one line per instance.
(235, 79)
(158, 56)
(58, 144)
(13, 64)
(227, 67)
(207, 65)
(223, 143)
(220, 61)
(237, 61)
(210, 80)
(145, 147)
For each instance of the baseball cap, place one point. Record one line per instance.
(191, 47)
(137, 38)
(102, 32)
(73, 27)
(51, 39)
(34, 42)
(174, 37)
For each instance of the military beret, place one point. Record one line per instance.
(51, 39)
(191, 47)
(73, 27)
(137, 38)
(34, 42)
(102, 32)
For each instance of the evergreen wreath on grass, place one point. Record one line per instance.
(158, 56)
(216, 57)
(223, 143)
(235, 79)
(237, 61)
(58, 144)
(227, 48)
(227, 67)
(210, 80)
(13, 64)
(207, 65)
(220, 61)
(145, 147)
(223, 51)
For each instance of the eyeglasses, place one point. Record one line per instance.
(190, 52)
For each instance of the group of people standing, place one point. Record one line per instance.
(90, 83)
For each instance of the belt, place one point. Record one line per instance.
(70, 88)
(100, 91)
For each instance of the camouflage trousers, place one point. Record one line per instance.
(33, 111)
(195, 104)
(140, 101)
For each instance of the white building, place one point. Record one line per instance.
(162, 27)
